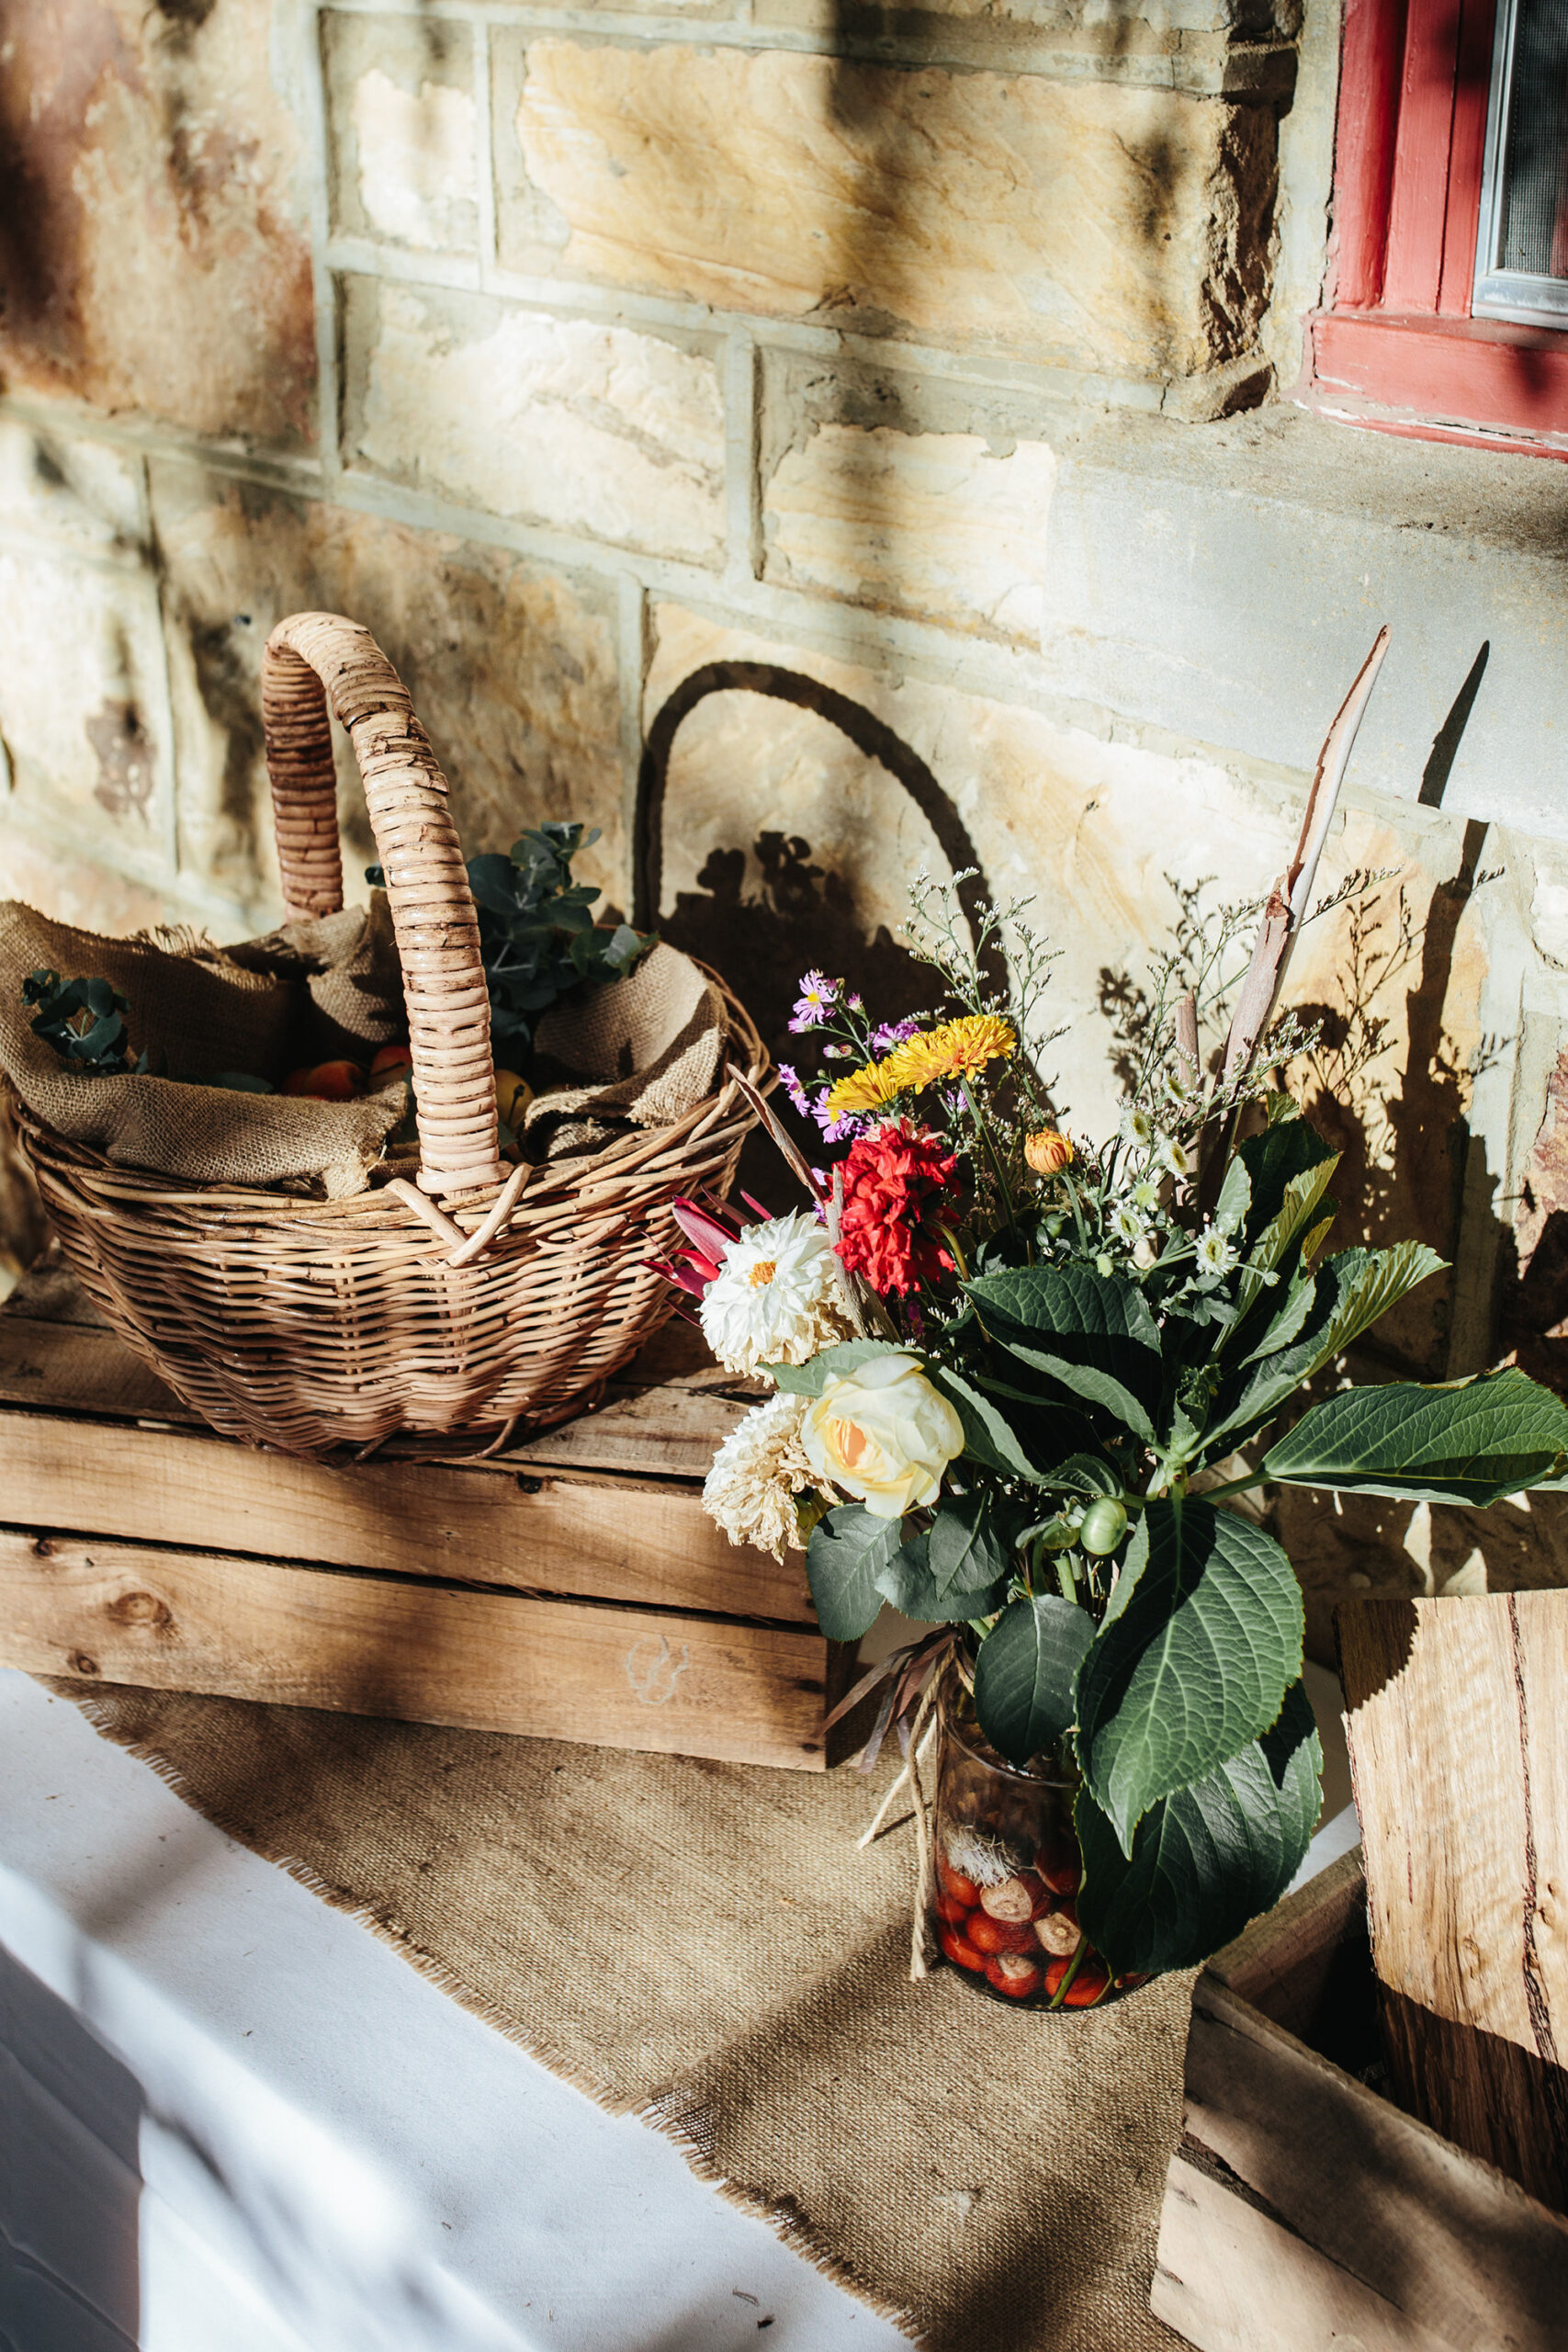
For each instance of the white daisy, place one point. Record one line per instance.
(1216, 1254)
(1146, 1194)
(1173, 1157)
(774, 1299)
(1125, 1223)
(756, 1475)
(1137, 1126)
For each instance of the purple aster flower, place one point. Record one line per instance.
(891, 1033)
(819, 995)
(794, 1089)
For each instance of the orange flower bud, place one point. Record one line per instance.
(1047, 1152)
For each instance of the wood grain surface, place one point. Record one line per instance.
(1459, 1748)
(1303, 2209)
(419, 1651)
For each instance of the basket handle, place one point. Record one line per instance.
(316, 656)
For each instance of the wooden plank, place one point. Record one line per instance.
(1459, 2251)
(671, 1431)
(420, 1651)
(1286, 1965)
(1460, 1768)
(1419, 208)
(1472, 77)
(1463, 372)
(1371, 52)
(1231, 2278)
(407, 1518)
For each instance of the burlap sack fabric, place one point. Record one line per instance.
(703, 1943)
(639, 1052)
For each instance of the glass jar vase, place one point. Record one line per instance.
(1007, 1868)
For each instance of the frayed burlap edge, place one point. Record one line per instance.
(680, 2117)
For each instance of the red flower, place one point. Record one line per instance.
(894, 1180)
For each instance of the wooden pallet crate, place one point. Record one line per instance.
(1302, 2209)
(572, 1587)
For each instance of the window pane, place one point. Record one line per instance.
(1535, 155)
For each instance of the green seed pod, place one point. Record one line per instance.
(1104, 1526)
(1055, 1225)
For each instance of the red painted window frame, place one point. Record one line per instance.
(1394, 346)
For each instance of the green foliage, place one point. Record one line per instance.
(1467, 1441)
(1027, 1671)
(1157, 1631)
(537, 935)
(1195, 1663)
(847, 1553)
(1206, 1858)
(84, 1021)
(1116, 1322)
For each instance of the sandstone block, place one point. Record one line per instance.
(1089, 829)
(156, 253)
(78, 491)
(1097, 225)
(404, 130)
(931, 524)
(566, 422)
(83, 705)
(510, 668)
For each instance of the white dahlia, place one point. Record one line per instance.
(757, 1472)
(774, 1299)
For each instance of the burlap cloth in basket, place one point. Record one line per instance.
(637, 1052)
(703, 1943)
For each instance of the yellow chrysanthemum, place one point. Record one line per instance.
(864, 1090)
(952, 1050)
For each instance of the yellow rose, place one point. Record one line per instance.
(1047, 1152)
(884, 1435)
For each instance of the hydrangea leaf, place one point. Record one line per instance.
(1026, 1671)
(1208, 1858)
(1195, 1663)
(1351, 1292)
(1464, 1442)
(1091, 1332)
(988, 1436)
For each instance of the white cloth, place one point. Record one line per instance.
(232, 2121)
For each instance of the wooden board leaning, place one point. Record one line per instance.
(1303, 2209)
(572, 1587)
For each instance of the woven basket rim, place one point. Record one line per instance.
(593, 1180)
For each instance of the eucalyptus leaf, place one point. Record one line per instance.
(811, 1379)
(1466, 1441)
(971, 1542)
(1025, 1674)
(1194, 1664)
(908, 1582)
(847, 1552)
(1209, 1857)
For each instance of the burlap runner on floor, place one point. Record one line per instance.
(703, 1943)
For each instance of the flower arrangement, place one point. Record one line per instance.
(1022, 1380)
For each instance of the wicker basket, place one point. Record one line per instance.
(480, 1300)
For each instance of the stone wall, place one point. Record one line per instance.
(937, 357)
